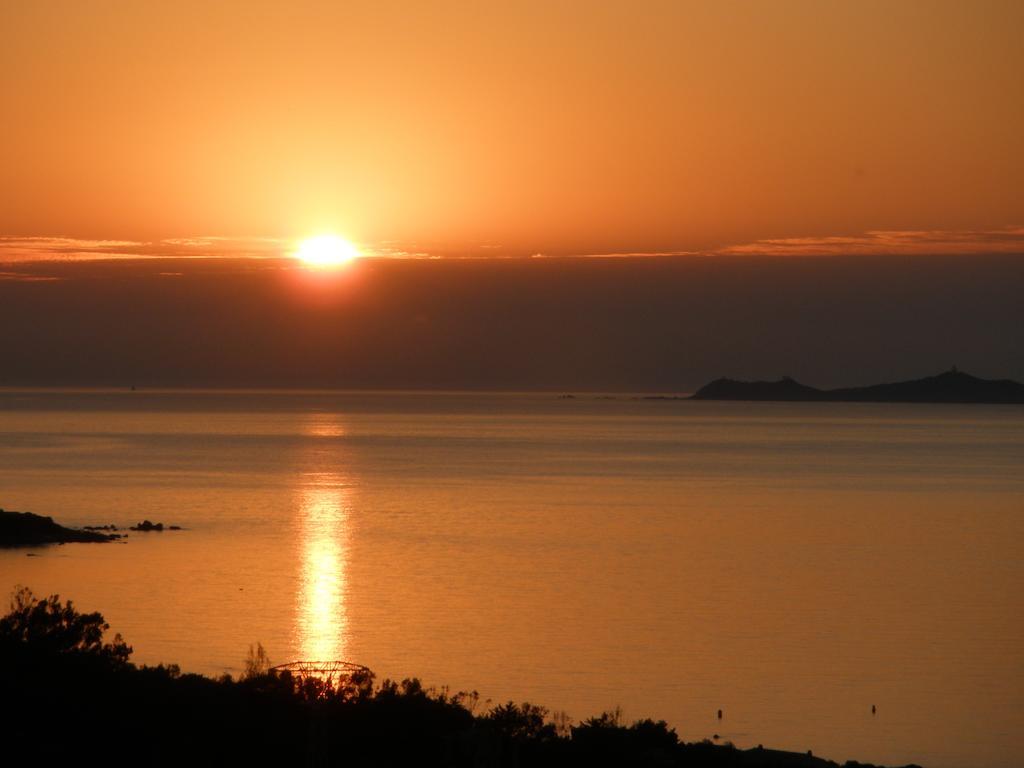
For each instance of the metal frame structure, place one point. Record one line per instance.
(330, 671)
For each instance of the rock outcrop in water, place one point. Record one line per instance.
(148, 525)
(953, 386)
(24, 529)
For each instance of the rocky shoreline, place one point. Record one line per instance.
(26, 529)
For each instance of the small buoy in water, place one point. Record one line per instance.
(872, 709)
(719, 714)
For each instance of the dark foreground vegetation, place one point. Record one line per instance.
(75, 699)
(24, 529)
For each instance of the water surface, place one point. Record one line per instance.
(791, 564)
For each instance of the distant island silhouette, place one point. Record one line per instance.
(952, 386)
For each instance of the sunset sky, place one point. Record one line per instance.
(727, 131)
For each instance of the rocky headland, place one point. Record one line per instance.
(25, 529)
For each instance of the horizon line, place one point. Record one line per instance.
(21, 249)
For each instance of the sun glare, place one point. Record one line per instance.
(326, 251)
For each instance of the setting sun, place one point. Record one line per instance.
(326, 251)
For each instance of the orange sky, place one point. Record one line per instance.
(548, 127)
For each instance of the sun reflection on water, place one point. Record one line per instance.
(322, 622)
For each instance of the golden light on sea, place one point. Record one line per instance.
(322, 621)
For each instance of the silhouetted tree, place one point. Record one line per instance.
(50, 626)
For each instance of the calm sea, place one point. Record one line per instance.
(790, 564)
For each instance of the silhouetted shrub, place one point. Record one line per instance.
(523, 722)
(257, 663)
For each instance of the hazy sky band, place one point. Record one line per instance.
(627, 324)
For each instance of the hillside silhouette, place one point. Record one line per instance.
(953, 386)
(81, 701)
